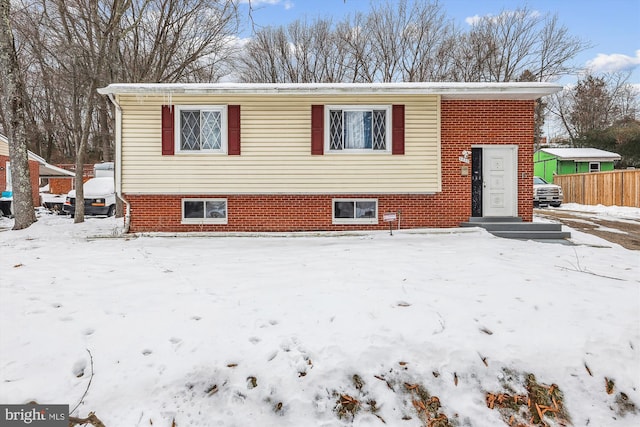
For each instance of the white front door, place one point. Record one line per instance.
(500, 181)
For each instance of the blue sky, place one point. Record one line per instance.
(611, 26)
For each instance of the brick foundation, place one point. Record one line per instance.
(287, 212)
(464, 124)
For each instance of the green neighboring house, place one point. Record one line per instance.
(548, 162)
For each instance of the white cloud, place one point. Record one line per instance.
(613, 62)
(473, 20)
(288, 5)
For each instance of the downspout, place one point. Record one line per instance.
(118, 171)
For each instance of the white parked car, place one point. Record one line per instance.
(99, 198)
(545, 194)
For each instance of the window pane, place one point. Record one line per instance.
(357, 129)
(335, 130)
(189, 130)
(211, 134)
(343, 210)
(216, 209)
(365, 209)
(193, 209)
(379, 130)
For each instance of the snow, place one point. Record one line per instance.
(603, 212)
(166, 319)
(100, 186)
(448, 90)
(582, 153)
(97, 187)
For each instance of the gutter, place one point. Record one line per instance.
(447, 90)
(118, 165)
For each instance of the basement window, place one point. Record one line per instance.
(355, 211)
(204, 211)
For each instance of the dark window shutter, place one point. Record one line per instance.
(317, 129)
(233, 130)
(397, 136)
(168, 146)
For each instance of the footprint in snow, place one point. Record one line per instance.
(254, 340)
(88, 331)
(146, 352)
(270, 323)
(79, 367)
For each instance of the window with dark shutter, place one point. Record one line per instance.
(397, 137)
(168, 146)
(317, 129)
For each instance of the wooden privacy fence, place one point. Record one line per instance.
(615, 188)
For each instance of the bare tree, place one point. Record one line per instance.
(352, 37)
(501, 48)
(425, 43)
(594, 104)
(265, 57)
(175, 40)
(73, 47)
(402, 41)
(20, 175)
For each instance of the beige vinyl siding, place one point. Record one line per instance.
(276, 150)
(4, 149)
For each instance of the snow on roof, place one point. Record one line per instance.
(455, 90)
(593, 154)
(99, 186)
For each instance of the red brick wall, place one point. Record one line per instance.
(467, 123)
(64, 185)
(3, 172)
(464, 123)
(34, 170)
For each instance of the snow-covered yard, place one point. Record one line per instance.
(315, 329)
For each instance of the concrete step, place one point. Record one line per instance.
(520, 226)
(532, 235)
(495, 219)
(514, 228)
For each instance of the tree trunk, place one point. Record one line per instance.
(79, 181)
(20, 174)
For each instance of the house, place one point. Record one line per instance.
(38, 168)
(296, 157)
(549, 162)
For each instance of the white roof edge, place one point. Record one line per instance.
(516, 90)
(582, 154)
(45, 169)
(53, 171)
(48, 170)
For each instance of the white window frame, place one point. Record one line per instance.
(204, 220)
(224, 135)
(354, 220)
(354, 107)
(594, 170)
